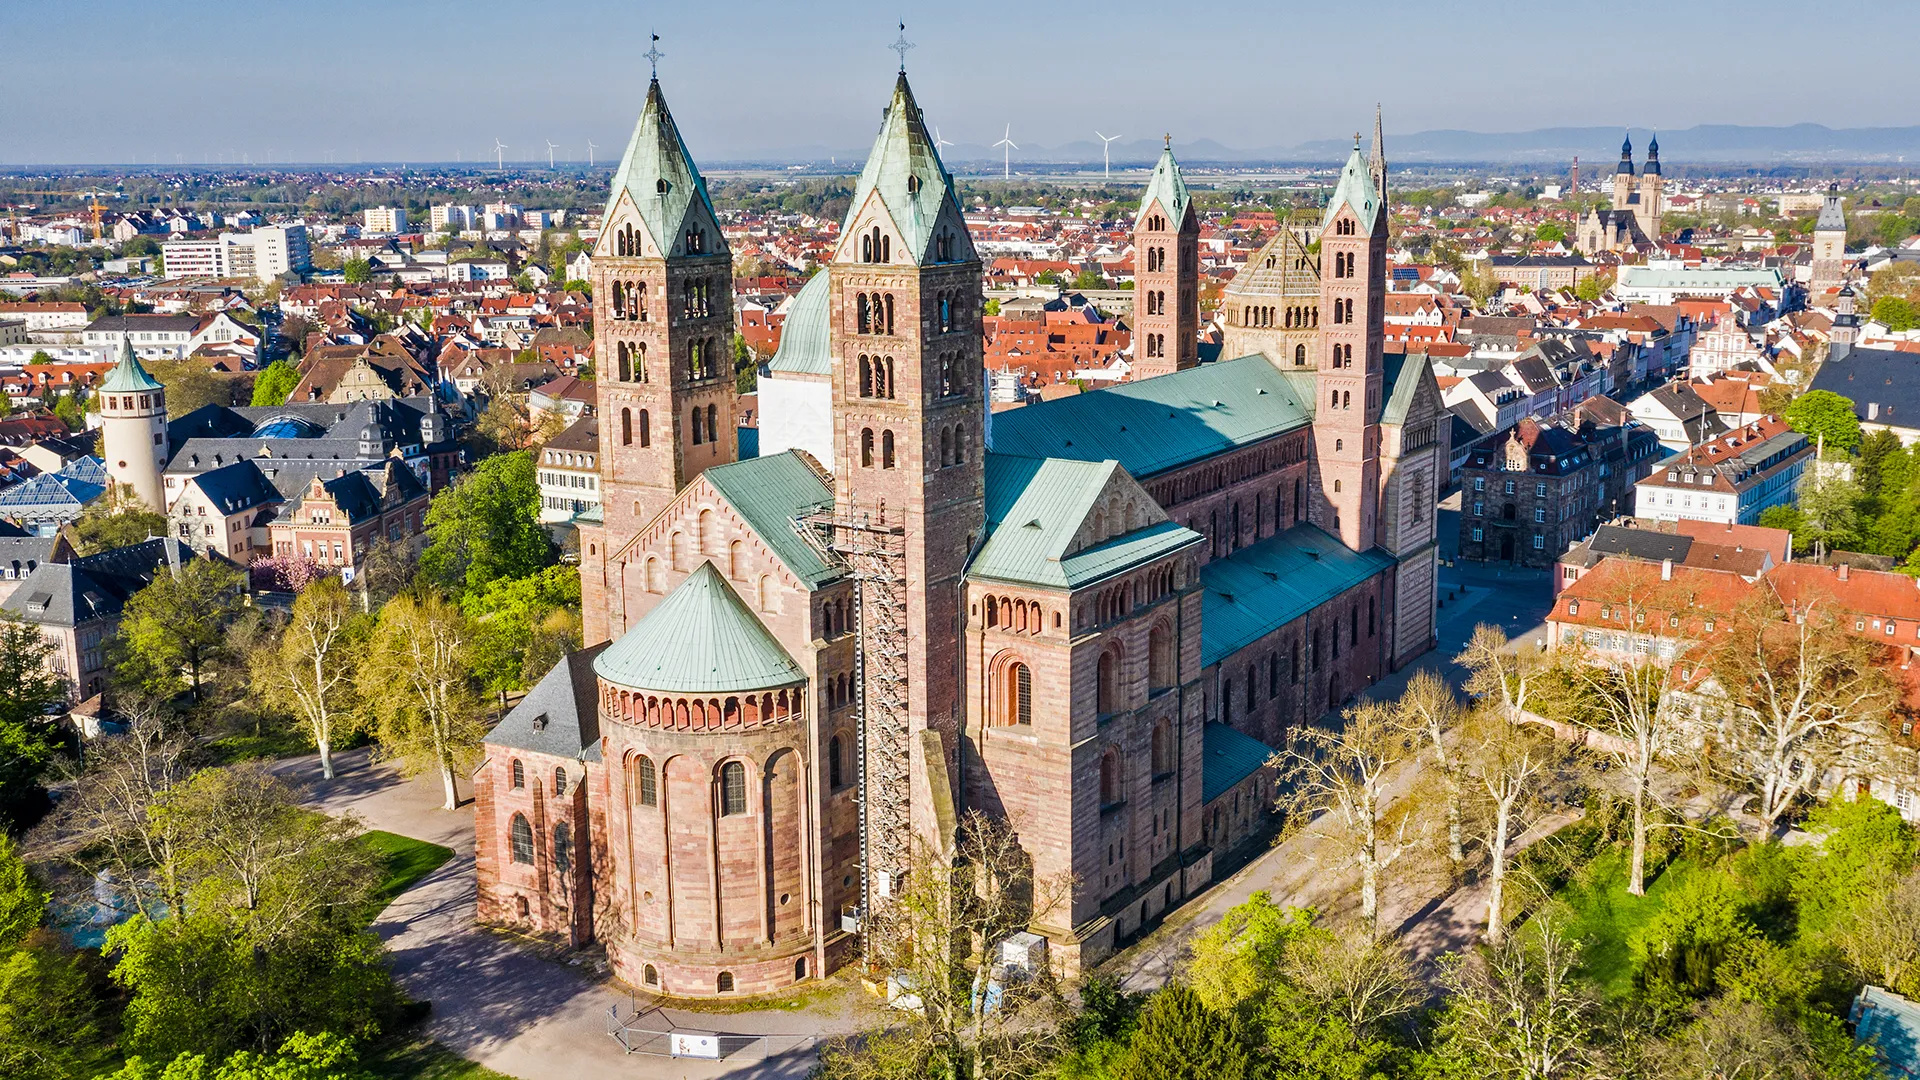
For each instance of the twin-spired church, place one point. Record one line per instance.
(1092, 617)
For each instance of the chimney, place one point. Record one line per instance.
(1843, 571)
(1666, 569)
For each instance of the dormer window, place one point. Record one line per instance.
(913, 185)
(660, 186)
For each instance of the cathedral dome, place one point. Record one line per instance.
(701, 639)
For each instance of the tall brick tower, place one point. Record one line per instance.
(1346, 425)
(663, 329)
(904, 302)
(1166, 274)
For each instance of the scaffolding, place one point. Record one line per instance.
(875, 556)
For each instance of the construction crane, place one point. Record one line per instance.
(93, 208)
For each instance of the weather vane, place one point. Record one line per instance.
(653, 55)
(901, 47)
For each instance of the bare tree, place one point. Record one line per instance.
(1342, 774)
(939, 936)
(1880, 936)
(1507, 761)
(1347, 969)
(105, 821)
(1496, 670)
(1802, 696)
(1732, 1039)
(1517, 1009)
(415, 677)
(1621, 689)
(1431, 714)
(310, 670)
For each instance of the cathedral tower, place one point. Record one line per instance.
(663, 330)
(133, 427)
(1166, 274)
(1623, 175)
(1346, 425)
(1651, 183)
(1377, 159)
(904, 306)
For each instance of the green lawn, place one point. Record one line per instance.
(408, 860)
(272, 742)
(421, 1060)
(1605, 916)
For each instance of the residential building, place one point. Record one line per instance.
(77, 603)
(1731, 479)
(383, 220)
(569, 472)
(337, 519)
(1525, 499)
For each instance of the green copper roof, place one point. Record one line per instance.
(1168, 188)
(655, 153)
(1231, 756)
(1161, 423)
(127, 375)
(806, 338)
(1035, 507)
(701, 639)
(770, 492)
(1259, 589)
(1355, 189)
(904, 168)
(1404, 374)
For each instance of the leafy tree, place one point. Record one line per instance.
(49, 1022)
(1895, 312)
(523, 626)
(30, 739)
(1700, 924)
(117, 519)
(1825, 414)
(66, 406)
(992, 307)
(1877, 451)
(1593, 287)
(1181, 1039)
(274, 383)
(1829, 510)
(1517, 1009)
(415, 676)
(179, 623)
(1865, 846)
(325, 1056)
(310, 669)
(1089, 279)
(23, 903)
(358, 271)
(487, 526)
(746, 372)
(190, 385)
(1549, 233)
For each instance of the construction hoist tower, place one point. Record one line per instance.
(875, 556)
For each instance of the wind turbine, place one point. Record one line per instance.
(499, 162)
(589, 153)
(1007, 147)
(939, 142)
(550, 149)
(1106, 151)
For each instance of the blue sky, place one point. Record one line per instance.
(436, 80)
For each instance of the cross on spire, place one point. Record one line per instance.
(653, 55)
(1356, 140)
(901, 47)
(1166, 141)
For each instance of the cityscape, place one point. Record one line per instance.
(1354, 595)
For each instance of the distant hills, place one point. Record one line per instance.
(1598, 147)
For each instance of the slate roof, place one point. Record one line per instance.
(1259, 589)
(236, 487)
(1035, 506)
(1640, 543)
(904, 168)
(91, 587)
(700, 639)
(1162, 423)
(1230, 757)
(770, 492)
(806, 338)
(21, 555)
(1880, 377)
(1169, 189)
(656, 152)
(1833, 214)
(560, 715)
